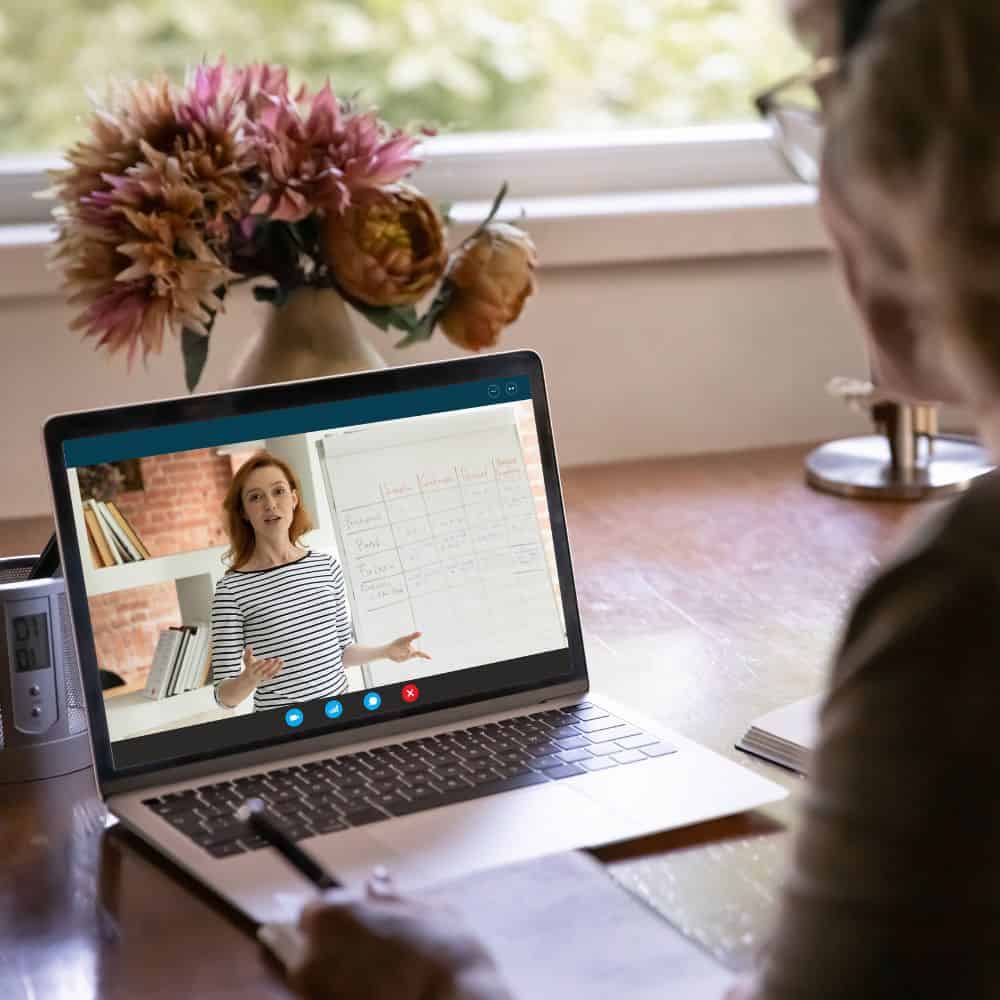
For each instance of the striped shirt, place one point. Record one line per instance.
(298, 612)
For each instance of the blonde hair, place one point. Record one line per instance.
(242, 540)
(919, 120)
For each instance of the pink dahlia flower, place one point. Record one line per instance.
(318, 162)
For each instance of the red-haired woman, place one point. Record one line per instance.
(281, 626)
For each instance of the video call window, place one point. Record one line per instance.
(434, 524)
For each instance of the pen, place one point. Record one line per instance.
(253, 813)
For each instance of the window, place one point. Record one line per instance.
(467, 65)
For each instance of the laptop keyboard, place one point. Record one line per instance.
(354, 789)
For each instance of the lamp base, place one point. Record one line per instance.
(861, 468)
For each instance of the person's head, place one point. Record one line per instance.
(910, 185)
(263, 501)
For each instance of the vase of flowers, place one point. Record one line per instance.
(181, 193)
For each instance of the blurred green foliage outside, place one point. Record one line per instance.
(463, 65)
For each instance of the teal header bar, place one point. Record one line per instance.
(293, 420)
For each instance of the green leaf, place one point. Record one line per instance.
(376, 315)
(424, 327)
(194, 347)
(386, 317)
(405, 318)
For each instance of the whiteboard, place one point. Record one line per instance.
(438, 530)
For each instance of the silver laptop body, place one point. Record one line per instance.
(651, 778)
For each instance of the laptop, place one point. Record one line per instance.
(435, 523)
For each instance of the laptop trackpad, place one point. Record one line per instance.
(444, 843)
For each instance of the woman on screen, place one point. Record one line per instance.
(281, 626)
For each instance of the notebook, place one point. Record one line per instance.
(787, 735)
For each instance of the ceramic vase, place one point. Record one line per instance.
(311, 334)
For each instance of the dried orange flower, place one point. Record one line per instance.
(387, 247)
(491, 276)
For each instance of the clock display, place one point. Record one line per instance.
(31, 643)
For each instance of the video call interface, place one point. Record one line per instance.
(270, 576)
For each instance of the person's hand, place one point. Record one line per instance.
(400, 650)
(388, 948)
(257, 671)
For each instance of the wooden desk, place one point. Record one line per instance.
(710, 589)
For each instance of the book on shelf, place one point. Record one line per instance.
(158, 677)
(112, 551)
(179, 662)
(97, 540)
(786, 736)
(128, 529)
(129, 552)
(177, 666)
(122, 543)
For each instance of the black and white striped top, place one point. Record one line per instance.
(299, 612)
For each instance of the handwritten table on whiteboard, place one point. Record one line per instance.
(439, 532)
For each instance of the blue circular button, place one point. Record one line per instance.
(293, 717)
(372, 701)
(334, 709)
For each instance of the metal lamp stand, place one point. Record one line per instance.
(907, 460)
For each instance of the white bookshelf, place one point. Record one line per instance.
(161, 569)
(194, 573)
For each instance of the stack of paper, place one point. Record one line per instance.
(787, 735)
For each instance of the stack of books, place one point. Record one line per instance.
(181, 661)
(112, 538)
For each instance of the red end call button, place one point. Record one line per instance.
(411, 693)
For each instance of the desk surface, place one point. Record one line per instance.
(711, 590)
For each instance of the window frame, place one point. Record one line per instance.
(471, 167)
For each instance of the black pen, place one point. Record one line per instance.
(253, 813)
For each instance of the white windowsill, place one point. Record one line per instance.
(574, 231)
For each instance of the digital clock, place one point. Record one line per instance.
(31, 643)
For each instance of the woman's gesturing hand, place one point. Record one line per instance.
(388, 948)
(400, 650)
(259, 671)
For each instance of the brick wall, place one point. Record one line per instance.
(127, 625)
(179, 509)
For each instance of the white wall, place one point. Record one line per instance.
(642, 359)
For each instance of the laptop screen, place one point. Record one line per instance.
(293, 571)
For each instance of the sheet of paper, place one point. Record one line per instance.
(559, 926)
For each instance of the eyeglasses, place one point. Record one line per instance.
(793, 109)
